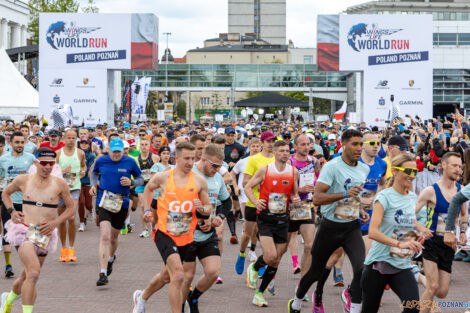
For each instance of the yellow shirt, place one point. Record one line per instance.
(388, 174)
(254, 163)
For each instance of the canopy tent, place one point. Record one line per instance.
(17, 97)
(271, 100)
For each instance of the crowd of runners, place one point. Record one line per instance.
(390, 199)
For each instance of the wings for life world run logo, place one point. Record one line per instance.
(61, 35)
(371, 37)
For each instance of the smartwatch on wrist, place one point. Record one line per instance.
(10, 210)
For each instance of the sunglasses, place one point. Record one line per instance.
(409, 171)
(372, 143)
(47, 162)
(214, 165)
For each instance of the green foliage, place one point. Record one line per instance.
(181, 110)
(151, 105)
(91, 7)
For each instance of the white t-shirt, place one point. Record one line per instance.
(239, 169)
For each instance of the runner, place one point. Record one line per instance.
(394, 240)
(277, 184)
(112, 202)
(12, 164)
(438, 257)
(73, 164)
(32, 231)
(177, 219)
(253, 164)
(29, 147)
(205, 245)
(54, 142)
(85, 204)
(336, 191)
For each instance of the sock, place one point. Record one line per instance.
(7, 256)
(242, 254)
(267, 278)
(253, 247)
(11, 297)
(355, 308)
(104, 271)
(295, 260)
(322, 279)
(297, 303)
(28, 308)
(128, 220)
(111, 259)
(259, 263)
(195, 294)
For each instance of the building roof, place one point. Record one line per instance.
(224, 37)
(271, 100)
(243, 48)
(170, 57)
(31, 51)
(180, 60)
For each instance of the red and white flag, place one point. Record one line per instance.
(340, 113)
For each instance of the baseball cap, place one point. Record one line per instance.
(170, 135)
(229, 130)
(126, 144)
(116, 145)
(399, 141)
(55, 132)
(40, 133)
(267, 135)
(45, 152)
(164, 148)
(331, 137)
(286, 133)
(85, 140)
(126, 125)
(131, 142)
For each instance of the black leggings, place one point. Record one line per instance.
(330, 236)
(373, 283)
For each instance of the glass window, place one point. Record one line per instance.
(205, 101)
(435, 39)
(464, 39)
(447, 39)
(228, 101)
(308, 59)
(452, 16)
(446, 16)
(440, 16)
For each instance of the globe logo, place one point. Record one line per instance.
(356, 32)
(53, 31)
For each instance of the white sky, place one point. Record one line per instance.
(190, 22)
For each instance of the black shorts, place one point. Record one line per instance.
(203, 249)
(365, 233)
(435, 250)
(277, 231)
(153, 205)
(250, 214)
(116, 219)
(294, 226)
(234, 197)
(6, 217)
(166, 246)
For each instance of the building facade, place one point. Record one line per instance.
(14, 18)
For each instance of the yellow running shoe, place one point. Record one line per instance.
(5, 306)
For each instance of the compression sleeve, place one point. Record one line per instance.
(225, 207)
(454, 209)
(139, 181)
(94, 178)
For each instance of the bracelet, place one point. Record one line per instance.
(147, 210)
(344, 194)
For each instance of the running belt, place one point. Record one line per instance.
(40, 204)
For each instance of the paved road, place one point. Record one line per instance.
(70, 288)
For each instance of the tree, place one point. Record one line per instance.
(152, 101)
(320, 106)
(216, 101)
(91, 7)
(181, 110)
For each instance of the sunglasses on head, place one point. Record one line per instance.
(47, 162)
(372, 143)
(215, 165)
(409, 171)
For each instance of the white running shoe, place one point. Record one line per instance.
(252, 256)
(139, 303)
(82, 227)
(144, 234)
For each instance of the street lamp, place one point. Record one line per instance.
(167, 53)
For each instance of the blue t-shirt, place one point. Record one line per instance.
(111, 173)
(98, 142)
(340, 177)
(397, 223)
(11, 166)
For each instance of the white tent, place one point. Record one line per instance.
(17, 97)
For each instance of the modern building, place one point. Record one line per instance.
(264, 18)
(14, 18)
(451, 52)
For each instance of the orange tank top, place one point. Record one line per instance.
(277, 188)
(176, 212)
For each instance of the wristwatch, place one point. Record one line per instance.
(221, 215)
(10, 210)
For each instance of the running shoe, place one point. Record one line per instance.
(251, 276)
(144, 234)
(317, 306)
(296, 269)
(193, 305)
(139, 303)
(346, 297)
(72, 256)
(9, 271)
(271, 288)
(460, 256)
(5, 307)
(252, 256)
(289, 307)
(130, 228)
(258, 300)
(234, 240)
(124, 229)
(102, 280)
(81, 228)
(240, 265)
(219, 281)
(338, 278)
(466, 259)
(64, 255)
(261, 271)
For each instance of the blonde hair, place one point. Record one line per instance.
(398, 161)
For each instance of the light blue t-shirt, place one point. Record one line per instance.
(156, 168)
(340, 177)
(217, 193)
(30, 147)
(397, 223)
(11, 166)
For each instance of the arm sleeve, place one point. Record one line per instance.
(225, 207)
(94, 178)
(454, 207)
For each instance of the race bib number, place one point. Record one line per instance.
(366, 196)
(307, 179)
(402, 236)
(347, 209)
(441, 224)
(70, 179)
(178, 223)
(111, 201)
(146, 175)
(34, 235)
(301, 212)
(277, 203)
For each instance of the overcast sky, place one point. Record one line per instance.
(190, 22)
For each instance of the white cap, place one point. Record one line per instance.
(331, 137)
(249, 133)
(221, 131)
(126, 144)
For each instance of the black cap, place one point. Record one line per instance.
(286, 133)
(398, 140)
(45, 152)
(55, 132)
(375, 129)
(164, 148)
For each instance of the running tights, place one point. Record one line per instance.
(330, 236)
(231, 223)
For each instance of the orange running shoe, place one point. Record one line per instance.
(72, 256)
(64, 255)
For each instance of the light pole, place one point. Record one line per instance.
(166, 69)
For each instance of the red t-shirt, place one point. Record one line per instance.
(153, 150)
(47, 144)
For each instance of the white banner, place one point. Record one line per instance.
(139, 93)
(71, 40)
(411, 91)
(77, 96)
